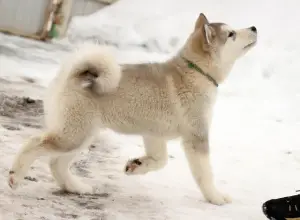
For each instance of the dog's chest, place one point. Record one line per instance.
(196, 94)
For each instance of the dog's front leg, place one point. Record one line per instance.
(196, 149)
(156, 157)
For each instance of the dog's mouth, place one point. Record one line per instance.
(250, 45)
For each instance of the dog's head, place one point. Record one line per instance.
(219, 44)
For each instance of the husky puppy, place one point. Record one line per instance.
(159, 101)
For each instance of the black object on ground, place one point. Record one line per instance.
(282, 208)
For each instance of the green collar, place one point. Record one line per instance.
(197, 68)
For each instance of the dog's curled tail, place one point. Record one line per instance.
(95, 69)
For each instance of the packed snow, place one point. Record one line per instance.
(254, 137)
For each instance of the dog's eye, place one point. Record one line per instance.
(231, 34)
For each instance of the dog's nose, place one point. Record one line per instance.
(253, 29)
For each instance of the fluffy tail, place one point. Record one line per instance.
(94, 68)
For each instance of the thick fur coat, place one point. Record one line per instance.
(159, 101)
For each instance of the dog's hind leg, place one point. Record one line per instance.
(35, 147)
(49, 144)
(197, 153)
(60, 169)
(156, 157)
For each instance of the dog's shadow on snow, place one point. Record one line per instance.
(90, 202)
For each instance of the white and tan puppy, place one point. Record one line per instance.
(159, 101)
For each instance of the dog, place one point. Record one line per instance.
(159, 101)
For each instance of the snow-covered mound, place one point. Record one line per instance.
(164, 25)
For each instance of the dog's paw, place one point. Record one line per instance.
(140, 165)
(87, 190)
(132, 166)
(12, 180)
(218, 198)
(143, 165)
(77, 187)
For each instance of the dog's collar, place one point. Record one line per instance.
(198, 69)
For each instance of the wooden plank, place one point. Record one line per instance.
(19, 33)
(39, 34)
(68, 9)
(81, 7)
(49, 13)
(17, 14)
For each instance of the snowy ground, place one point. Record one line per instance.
(255, 144)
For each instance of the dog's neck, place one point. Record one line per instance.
(207, 64)
(192, 65)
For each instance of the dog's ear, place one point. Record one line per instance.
(201, 21)
(202, 25)
(207, 34)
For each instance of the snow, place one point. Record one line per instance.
(254, 137)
